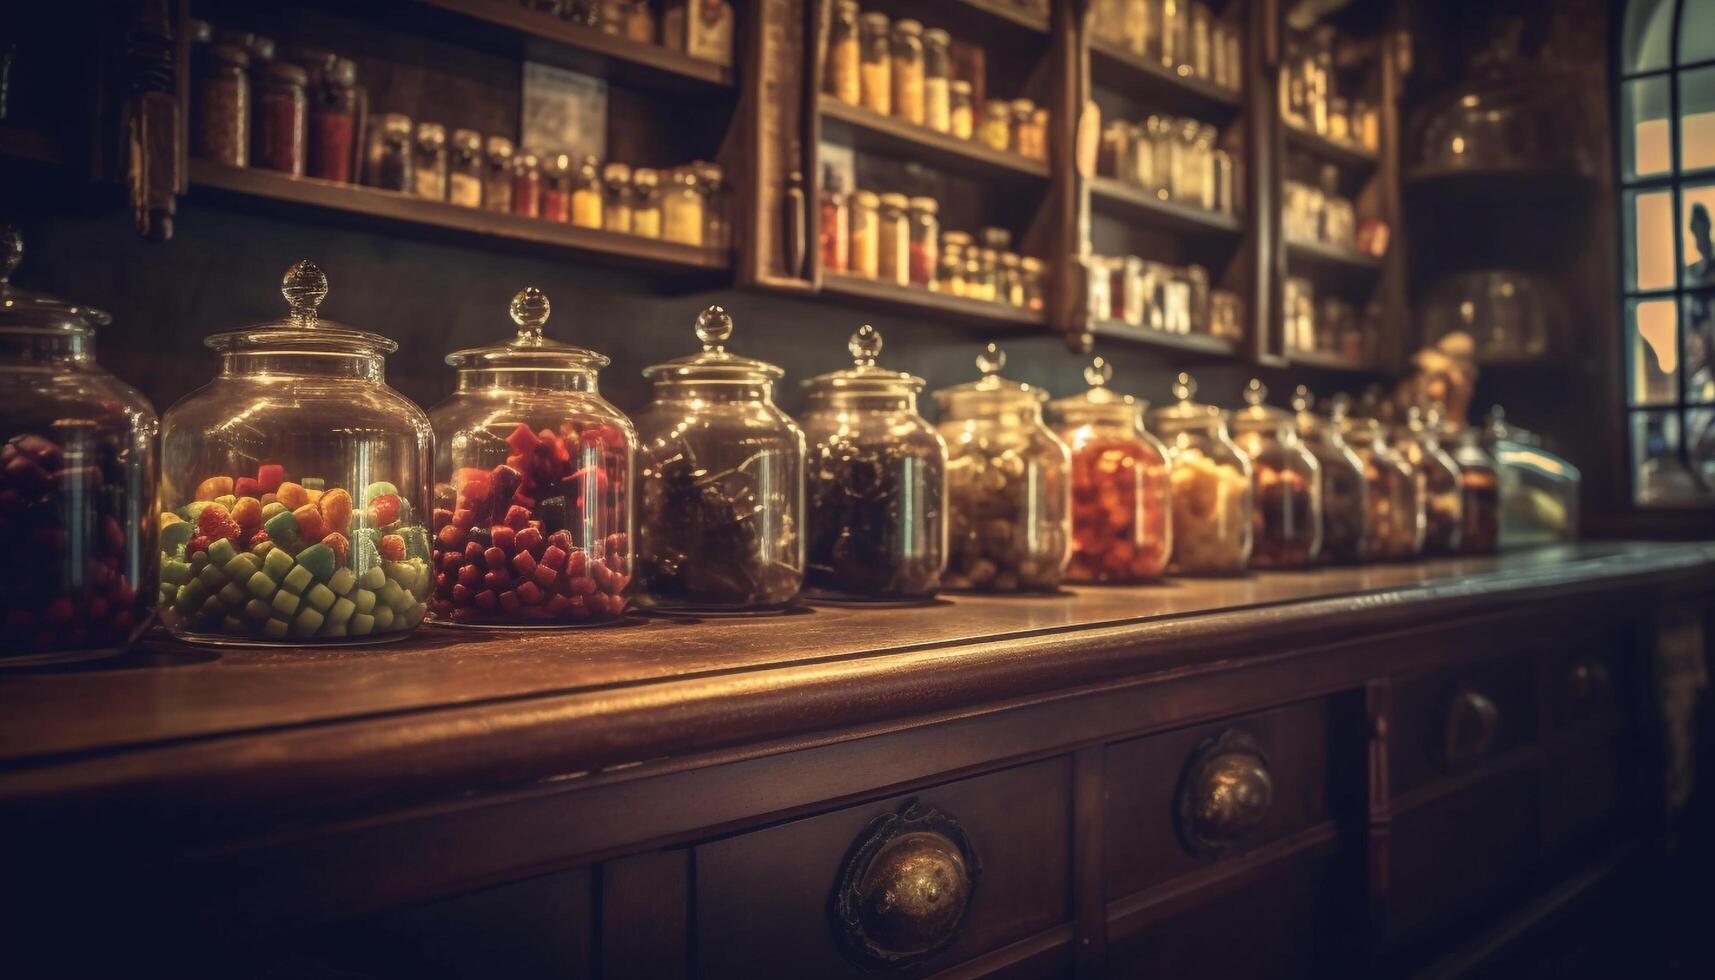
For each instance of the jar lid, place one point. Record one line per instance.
(305, 286)
(1309, 423)
(499, 147)
(285, 73)
(714, 362)
(874, 20)
(927, 205)
(431, 134)
(1257, 415)
(395, 123)
(26, 311)
(992, 390)
(645, 177)
(937, 37)
(863, 377)
(529, 350)
(895, 201)
(907, 26)
(467, 140)
(1098, 403)
(1186, 410)
(1367, 430)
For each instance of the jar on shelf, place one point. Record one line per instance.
(1035, 284)
(278, 136)
(1122, 490)
(429, 162)
(937, 80)
(905, 50)
(721, 483)
(390, 158)
(557, 178)
(1226, 182)
(1438, 479)
(1286, 483)
(1010, 281)
(646, 203)
(1201, 32)
(333, 122)
(223, 105)
(497, 175)
(833, 222)
(1027, 138)
(1212, 510)
(1479, 489)
(996, 129)
(294, 487)
(925, 236)
(1175, 17)
(715, 228)
(586, 194)
(1394, 531)
(1114, 155)
(980, 273)
(894, 239)
(682, 209)
(876, 484)
(465, 169)
(1339, 120)
(866, 234)
(950, 273)
(1163, 149)
(1138, 27)
(1345, 492)
(875, 66)
(533, 472)
(842, 69)
(961, 110)
(77, 483)
(1205, 180)
(527, 185)
(1008, 485)
(637, 21)
(617, 197)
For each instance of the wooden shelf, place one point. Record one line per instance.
(1329, 361)
(1003, 10)
(1201, 344)
(1146, 79)
(923, 302)
(1347, 154)
(1313, 257)
(876, 133)
(26, 144)
(401, 211)
(1125, 200)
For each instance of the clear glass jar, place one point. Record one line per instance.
(1201, 33)
(223, 105)
(1114, 155)
(866, 234)
(1438, 480)
(333, 122)
(1122, 489)
(429, 162)
(925, 236)
(1008, 485)
(894, 240)
(1394, 531)
(465, 170)
(280, 133)
(1035, 285)
(1479, 488)
(937, 80)
(979, 273)
(77, 483)
(841, 79)
(1212, 512)
(1163, 146)
(1226, 182)
(833, 223)
(996, 129)
(497, 175)
(682, 217)
(1286, 483)
(646, 208)
(1011, 279)
(721, 483)
(716, 231)
(961, 112)
(585, 208)
(533, 470)
(875, 67)
(527, 185)
(1204, 182)
(950, 274)
(1187, 174)
(617, 199)
(1345, 492)
(906, 51)
(557, 183)
(1175, 36)
(300, 481)
(876, 483)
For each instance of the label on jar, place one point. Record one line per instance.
(908, 90)
(616, 217)
(877, 87)
(431, 184)
(708, 32)
(843, 70)
(961, 121)
(465, 190)
(586, 208)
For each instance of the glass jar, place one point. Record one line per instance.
(1029, 134)
(1438, 480)
(1175, 40)
(533, 469)
(617, 197)
(77, 483)
(279, 134)
(876, 483)
(721, 483)
(333, 122)
(1008, 485)
(925, 234)
(866, 234)
(875, 67)
(842, 79)
(585, 208)
(950, 273)
(894, 240)
(1212, 512)
(527, 185)
(223, 105)
(1345, 492)
(937, 80)
(1122, 491)
(1479, 488)
(961, 111)
(1286, 486)
(1207, 194)
(557, 188)
(682, 209)
(1163, 148)
(1011, 279)
(1225, 181)
(299, 481)
(1035, 286)
(1394, 531)
(906, 51)
(979, 273)
(389, 163)
(429, 162)
(464, 170)
(1137, 25)
(1202, 56)
(646, 206)
(715, 227)
(833, 223)
(996, 130)
(497, 175)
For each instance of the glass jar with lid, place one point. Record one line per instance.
(1286, 483)
(557, 178)
(682, 209)
(585, 203)
(1035, 284)
(77, 483)
(996, 129)
(497, 175)
(297, 482)
(1438, 479)
(533, 472)
(527, 185)
(1008, 485)
(429, 162)
(925, 236)
(280, 133)
(1212, 511)
(1345, 492)
(866, 234)
(465, 169)
(894, 240)
(1479, 490)
(906, 51)
(876, 483)
(1394, 531)
(937, 80)
(618, 198)
(223, 104)
(1027, 138)
(390, 155)
(646, 203)
(841, 70)
(333, 121)
(961, 110)
(950, 275)
(1122, 491)
(875, 66)
(720, 483)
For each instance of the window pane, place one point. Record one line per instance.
(1700, 346)
(1697, 204)
(1700, 442)
(1653, 352)
(1659, 475)
(1697, 119)
(1649, 240)
(1645, 137)
(1696, 31)
(1649, 26)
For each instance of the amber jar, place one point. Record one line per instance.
(1213, 524)
(1394, 531)
(1286, 484)
(893, 240)
(1345, 492)
(333, 122)
(682, 218)
(282, 111)
(1479, 485)
(866, 234)
(950, 272)
(465, 170)
(961, 112)
(429, 162)
(557, 188)
(646, 203)
(1438, 479)
(389, 159)
(586, 194)
(841, 80)
(1029, 131)
(497, 175)
(527, 185)
(996, 130)
(937, 80)
(876, 64)
(833, 223)
(925, 234)
(223, 105)
(618, 198)
(906, 51)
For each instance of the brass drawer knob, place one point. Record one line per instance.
(1473, 724)
(904, 888)
(1587, 686)
(1224, 794)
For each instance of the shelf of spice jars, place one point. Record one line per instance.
(272, 188)
(1307, 257)
(1146, 208)
(865, 129)
(1334, 151)
(1145, 77)
(1199, 344)
(916, 299)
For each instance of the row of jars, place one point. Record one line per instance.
(1309, 98)
(1329, 325)
(1185, 38)
(1175, 159)
(1319, 212)
(702, 28)
(1158, 296)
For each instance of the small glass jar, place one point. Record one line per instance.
(842, 69)
(279, 134)
(1008, 486)
(894, 240)
(876, 484)
(682, 209)
(979, 273)
(1010, 280)
(961, 111)
(1202, 42)
(1137, 25)
(223, 105)
(1286, 490)
(1163, 147)
(557, 188)
(637, 21)
(1122, 490)
(1028, 138)
(618, 198)
(1035, 285)
(1479, 486)
(1226, 182)
(298, 482)
(937, 80)
(1345, 492)
(833, 223)
(866, 234)
(925, 236)
(497, 175)
(429, 162)
(721, 483)
(1213, 533)
(333, 123)
(716, 231)
(646, 207)
(1438, 480)
(527, 185)
(391, 158)
(586, 194)
(875, 67)
(465, 169)
(533, 468)
(950, 272)
(906, 51)
(1175, 36)
(77, 484)
(1204, 180)
(996, 130)
(1394, 531)
(1339, 120)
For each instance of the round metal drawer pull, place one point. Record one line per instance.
(1224, 794)
(904, 888)
(1588, 685)
(1473, 724)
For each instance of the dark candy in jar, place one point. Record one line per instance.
(1284, 518)
(1481, 532)
(700, 543)
(990, 547)
(865, 503)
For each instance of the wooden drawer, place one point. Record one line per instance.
(1586, 684)
(1452, 720)
(1151, 839)
(1584, 785)
(765, 900)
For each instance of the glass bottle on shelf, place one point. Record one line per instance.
(950, 275)
(333, 122)
(682, 217)
(833, 222)
(1138, 26)
(1394, 531)
(1029, 138)
(961, 112)
(715, 228)
(532, 520)
(646, 206)
(1479, 490)
(841, 80)
(586, 197)
(894, 240)
(527, 185)
(464, 170)
(875, 70)
(223, 105)
(1438, 479)
(1008, 485)
(1212, 511)
(77, 484)
(297, 482)
(557, 188)
(1163, 147)
(906, 51)
(1035, 287)
(866, 234)
(388, 160)
(876, 483)
(429, 163)
(1200, 32)
(1286, 490)
(925, 236)
(1122, 491)
(617, 197)
(937, 80)
(996, 130)
(1204, 179)
(1011, 281)
(1175, 38)
(497, 175)
(279, 134)
(721, 483)
(1345, 492)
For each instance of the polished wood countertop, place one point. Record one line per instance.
(189, 734)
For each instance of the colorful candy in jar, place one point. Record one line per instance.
(1345, 493)
(1212, 513)
(1287, 496)
(1395, 525)
(1439, 478)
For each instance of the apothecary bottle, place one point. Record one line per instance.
(618, 197)
(586, 194)
(429, 162)
(279, 134)
(527, 185)
(223, 105)
(866, 234)
(1438, 480)
(996, 129)
(389, 159)
(894, 239)
(1286, 483)
(833, 222)
(533, 474)
(937, 80)
(464, 169)
(906, 51)
(1008, 485)
(925, 236)
(682, 209)
(1480, 492)
(720, 483)
(841, 71)
(961, 112)
(1122, 490)
(77, 483)
(1212, 510)
(295, 487)
(646, 203)
(1345, 492)
(333, 121)
(497, 174)
(1395, 528)
(875, 71)
(875, 482)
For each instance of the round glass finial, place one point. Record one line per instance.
(530, 312)
(714, 326)
(1099, 373)
(1184, 387)
(1302, 400)
(991, 360)
(1256, 393)
(1340, 406)
(11, 252)
(305, 286)
(865, 345)
(1436, 413)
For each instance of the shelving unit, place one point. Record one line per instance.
(915, 299)
(1147, 79)
(1302, 256)
(1008, 12)
(1197, 344)
(1328, 361)
(870, 131)
(1334, 151)
(1145, 208)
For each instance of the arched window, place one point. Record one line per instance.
(1666, 115)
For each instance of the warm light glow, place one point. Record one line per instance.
(1650, 153)
(1653, 244)
(1689, 198)
(1655, 352)
(1697, 140)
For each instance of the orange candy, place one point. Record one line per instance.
(310, 524)
(292, 495)
(340, 546)
(335, 507)
(214, 486)
(247, 512)
(392, 547)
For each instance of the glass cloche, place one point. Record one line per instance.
(1345, 492)
(294, 487)
(1438, 478)
(1212, 530)
(1286, 483)
(1396, 523)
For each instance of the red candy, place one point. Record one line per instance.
(269, 477)
(214, 522)
(383, 509)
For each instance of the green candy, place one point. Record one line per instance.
(261, 586)
(319, 596)
(393, 596)
(377, 489)
(190, 511)
(190, 597)
(361, 624)
(221, 551)
(232, 595)
(341, 611)
(319, 560)
(175, 572)
(212, 577)
(383, 617)
(257, 610)
(364, 600)
(226, 500)
(212, 608)
(285, 603)
(297, 580)
(373, 578)
(232, 624)
(199, 561)
(308, 621)
(274, 508)
(277, 563)
(261, 549)
(282, 527)
(176, 535)
(332, 629)
(274, 629)
(342, 581)
(241, 567)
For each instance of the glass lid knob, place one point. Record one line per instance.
(1436, 413)
(304, 286)
(1099, 373)
(864, 345)
(1302, 399)
(1413, 417)
(714, 326)
(530, 312)
(1184, 387)
(11, 252)
(991, 360)
(1340, 406)
(1256, 393)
